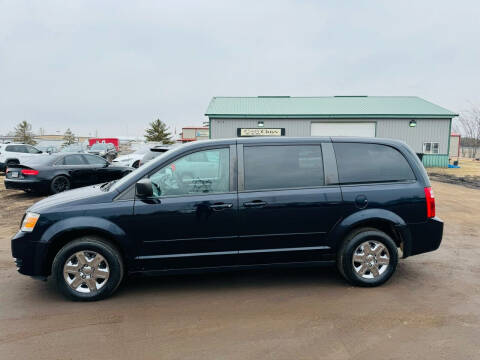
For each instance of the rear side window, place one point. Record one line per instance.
(16, 148)
(76, 159)
(94, 160)
(367, 163)
(283, 166)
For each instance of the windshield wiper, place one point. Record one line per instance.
(106, 186)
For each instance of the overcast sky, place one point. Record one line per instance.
(114, 66)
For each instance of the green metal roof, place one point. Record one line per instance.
(325, 107)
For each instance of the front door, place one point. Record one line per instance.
(285, 207)
(190, 222)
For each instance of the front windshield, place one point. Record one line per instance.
(99, 146)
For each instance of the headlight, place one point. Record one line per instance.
(29, 221)
(103, 152)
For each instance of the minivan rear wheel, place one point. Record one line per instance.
(88, 269)
(368, 257)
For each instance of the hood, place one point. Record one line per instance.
(125, 157)
(88, 194)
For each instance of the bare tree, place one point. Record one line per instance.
(470, 125)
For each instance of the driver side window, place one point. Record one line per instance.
(202, 172)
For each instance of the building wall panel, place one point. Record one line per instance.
(426, 130)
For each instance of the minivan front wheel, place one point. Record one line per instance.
(88, 269)
(368, 257)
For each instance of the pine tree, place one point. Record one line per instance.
(68, 138)
(23, 133)
(158, 131)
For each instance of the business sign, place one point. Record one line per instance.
(260, 132)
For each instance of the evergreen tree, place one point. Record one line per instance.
(68, 138)
(24, 134)
(158, 131)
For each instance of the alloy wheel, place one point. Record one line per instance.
(370, 259)
(86, 272)
(61, 184)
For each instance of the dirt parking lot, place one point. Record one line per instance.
(430, 309)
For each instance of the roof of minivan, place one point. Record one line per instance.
(286, 140)
(387, 107)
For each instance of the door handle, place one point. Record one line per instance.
(255, 203)
(221, 206)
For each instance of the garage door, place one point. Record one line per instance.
(343, 129)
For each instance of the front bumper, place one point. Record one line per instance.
(425, 237)
(23, 184)
(30, 256)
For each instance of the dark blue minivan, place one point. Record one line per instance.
(237, 203)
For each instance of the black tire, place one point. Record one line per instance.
(353, 241)
(89, 244)
(136, 164)
(59, 183)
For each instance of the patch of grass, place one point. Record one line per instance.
(468, 167)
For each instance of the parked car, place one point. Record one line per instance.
(133, 159)
(105, 150)
(361, 203)
(154, 152)
(11, 154)
(61, 172)
(47, 149)
(74, 148)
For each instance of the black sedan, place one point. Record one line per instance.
(59, 172)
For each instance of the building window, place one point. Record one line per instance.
(430, 148)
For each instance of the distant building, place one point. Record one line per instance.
(194, 134)
(421, 124)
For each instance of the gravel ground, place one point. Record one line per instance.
(430, 309)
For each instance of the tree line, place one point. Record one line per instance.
(468, 125)
(158, 131)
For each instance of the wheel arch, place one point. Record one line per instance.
(10, 160)
(63, 232)
(383, 220)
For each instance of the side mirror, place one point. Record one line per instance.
(143, 188)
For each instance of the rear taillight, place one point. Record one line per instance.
(430, 199)
(29, 172)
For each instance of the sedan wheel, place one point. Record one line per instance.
(59, 184)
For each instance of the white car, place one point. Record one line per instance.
(11, 154)
(133, 159)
